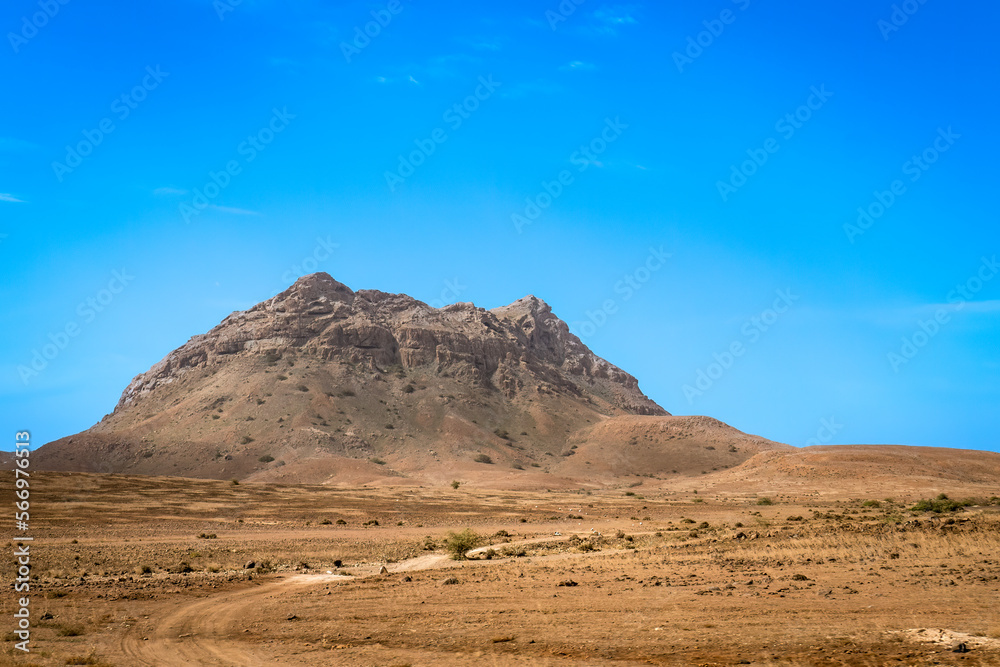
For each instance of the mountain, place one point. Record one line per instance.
(322, 384)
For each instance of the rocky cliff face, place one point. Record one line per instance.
(517, 349)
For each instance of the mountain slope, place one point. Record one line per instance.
(321, 383)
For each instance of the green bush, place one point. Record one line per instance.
(457, 544)
(267, 458)
(940, 504)
(483, 458)
(765, 501)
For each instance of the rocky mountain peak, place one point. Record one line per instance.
(311, 291)
(518, 349)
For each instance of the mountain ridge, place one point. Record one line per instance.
(329, 384)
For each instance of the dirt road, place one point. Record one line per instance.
(205, 632)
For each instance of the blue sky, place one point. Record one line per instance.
(680, 181)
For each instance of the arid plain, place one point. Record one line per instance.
(133, 570)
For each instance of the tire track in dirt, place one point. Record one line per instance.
(203, 632)
(200, 633)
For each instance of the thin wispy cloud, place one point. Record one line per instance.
(616, 15)
(440, 67)
(979, 307)
(577, 66)
(234, 211)
(610, 19)
(6, 196)
(391, 80)
(485, 45)
(905, 316)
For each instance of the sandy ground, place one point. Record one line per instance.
(152, 571)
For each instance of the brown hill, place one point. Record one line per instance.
(877, 471)
(324, 384)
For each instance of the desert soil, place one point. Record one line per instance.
(152, 571)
